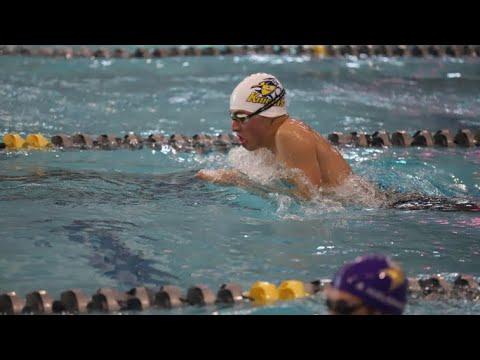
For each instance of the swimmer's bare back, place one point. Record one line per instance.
(327, 169)
(299, 146)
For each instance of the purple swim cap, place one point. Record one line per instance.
(377, 281)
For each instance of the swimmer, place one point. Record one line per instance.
(260, 120)
(371, 285)
(259, 116)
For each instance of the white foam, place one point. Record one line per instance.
(261, 167)
(355, 191)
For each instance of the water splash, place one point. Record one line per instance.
(261, 167)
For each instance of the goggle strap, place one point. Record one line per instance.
(270, 104)
(265, 107)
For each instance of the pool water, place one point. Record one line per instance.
(91, 219)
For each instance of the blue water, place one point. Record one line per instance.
(91, 219)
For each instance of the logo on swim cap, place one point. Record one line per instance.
(266, 91)
(396, 276)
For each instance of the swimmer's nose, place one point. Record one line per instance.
(235, 125)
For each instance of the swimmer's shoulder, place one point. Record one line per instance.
(293, 126)
(310, 138)
(292, 130)
(299, 129)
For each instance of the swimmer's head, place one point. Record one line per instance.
(370, 285)
(254, 104)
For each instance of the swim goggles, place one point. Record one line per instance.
(237, 116)
(341, 307)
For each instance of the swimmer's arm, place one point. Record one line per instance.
(299, 154)
(234, 177)
(225, 177)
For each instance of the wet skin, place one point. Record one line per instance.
(296, 146)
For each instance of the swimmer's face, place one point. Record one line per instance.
(252, 133)
(343, 303)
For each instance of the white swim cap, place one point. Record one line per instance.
(256, 91)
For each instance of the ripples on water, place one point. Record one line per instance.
(175, 94)
(124, 218)
(155, 228)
